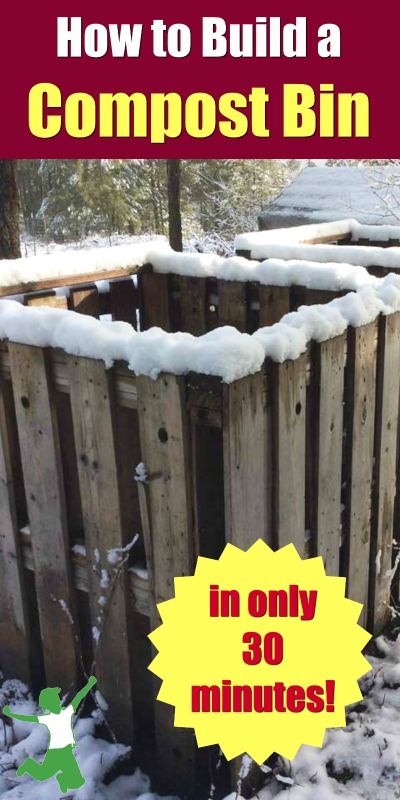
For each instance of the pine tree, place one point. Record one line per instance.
(174, 203)
(9, 211)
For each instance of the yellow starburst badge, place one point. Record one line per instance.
(259, 651)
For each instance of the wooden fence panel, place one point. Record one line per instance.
(232, 308)
(384, 484)
(325, 456)
(246, 442)
(14, 624)
(193, 298)
(85, 300)
(92, 403)
(274, 304)
(207, 452)
(319, 296)
(289, 452)
(41, 463)
(123, 301)
(154, 301)
(163, 430)
(46, 299)
(359, 425)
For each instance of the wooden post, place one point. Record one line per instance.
(325, 439)
(165, 451)
(41, 463)
(14, 624)
(274, 304)
(315, 297)
(154, 300)
(359, 426)
(193, 305)
(205, 412)
(384, 483)
(123, 301)
(85, 300)
(246, 442)
(232, 309)
(289, 452)
(92, 403)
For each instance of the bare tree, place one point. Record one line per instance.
(9, 210)
(174, 203)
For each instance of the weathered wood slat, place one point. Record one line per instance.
(289, 452)
(123, 301)
(359, 424)
(193, 305)
(232, 307)
(246, 441)
(47, 299)
(319, 296)
(125, 379)
(41, 463)
(139, 585)
(274, 303)
(92, 403)
(85, 300)
(163, 430)
(68, 280)
(154, 301)
(14, 623)
(384, 483)
(326, 424)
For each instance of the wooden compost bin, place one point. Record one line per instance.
(304, 452)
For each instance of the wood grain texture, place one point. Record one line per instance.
(41, 463)
(92, 403)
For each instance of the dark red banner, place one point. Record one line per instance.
(157, 80)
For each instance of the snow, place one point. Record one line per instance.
(95, 756)
(261, 247)
(141, 572)
(104, 579)
(312, 275)
(141, 472)
(359, 762)
(277, 246)
(79, 550)
(96, 633)
(115, 555)
(377, 233)
(272, 272)
(300, 233)
(58, 265)
(223, 352)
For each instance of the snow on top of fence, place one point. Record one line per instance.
(313, 266)
(224, 352)
(302, 234)
(272, 272)
(77, 262)
(361, 256)
(375, 233)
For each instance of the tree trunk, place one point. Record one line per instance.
(9, 211)
(174, 203)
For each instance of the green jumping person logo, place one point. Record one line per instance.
(59, 757)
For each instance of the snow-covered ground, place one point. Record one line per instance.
(96, 757)
(359, 761)
(209, 243)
